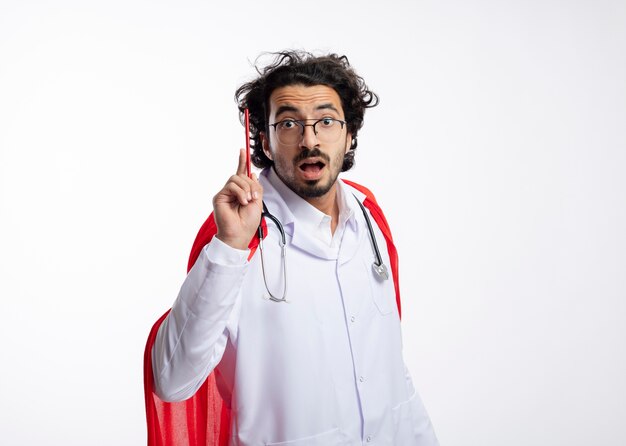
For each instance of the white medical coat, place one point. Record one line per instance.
(324, 369)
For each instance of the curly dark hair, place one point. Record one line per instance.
(303, 68)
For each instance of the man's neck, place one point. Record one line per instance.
(328, 204)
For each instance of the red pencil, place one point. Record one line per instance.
(247, 125)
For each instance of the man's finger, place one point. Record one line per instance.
(241, 168)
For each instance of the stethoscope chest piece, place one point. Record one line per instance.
(381, 271)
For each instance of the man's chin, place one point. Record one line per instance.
(312, 189)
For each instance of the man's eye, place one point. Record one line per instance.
(288, 124)
(327, 122)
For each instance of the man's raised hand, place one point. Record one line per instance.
(238, 207)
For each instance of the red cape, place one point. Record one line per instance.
(204, 419)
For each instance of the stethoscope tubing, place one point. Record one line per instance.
(283, 248)
(378, 266)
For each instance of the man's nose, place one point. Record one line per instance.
(309, 138)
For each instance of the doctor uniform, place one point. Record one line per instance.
(323, 369)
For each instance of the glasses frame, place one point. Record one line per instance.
(301, 123)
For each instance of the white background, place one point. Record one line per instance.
(498, 153)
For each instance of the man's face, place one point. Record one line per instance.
(308, 167)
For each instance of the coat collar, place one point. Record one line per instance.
(301, 220)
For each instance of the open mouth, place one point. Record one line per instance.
(311, 168)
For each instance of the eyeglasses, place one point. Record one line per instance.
(290, 131)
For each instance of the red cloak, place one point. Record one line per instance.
(204, 419)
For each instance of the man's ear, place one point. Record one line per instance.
(348, 141)
(266, 145)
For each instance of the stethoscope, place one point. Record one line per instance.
(378, 266)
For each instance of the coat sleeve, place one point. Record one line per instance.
(191, 340)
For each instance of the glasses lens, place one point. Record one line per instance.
(328, 130)
(288, 131)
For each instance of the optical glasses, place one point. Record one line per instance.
(290, 131)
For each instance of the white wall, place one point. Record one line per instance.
(498, 152)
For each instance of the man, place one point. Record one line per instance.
(302, 343)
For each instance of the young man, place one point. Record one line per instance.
(302, 342)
